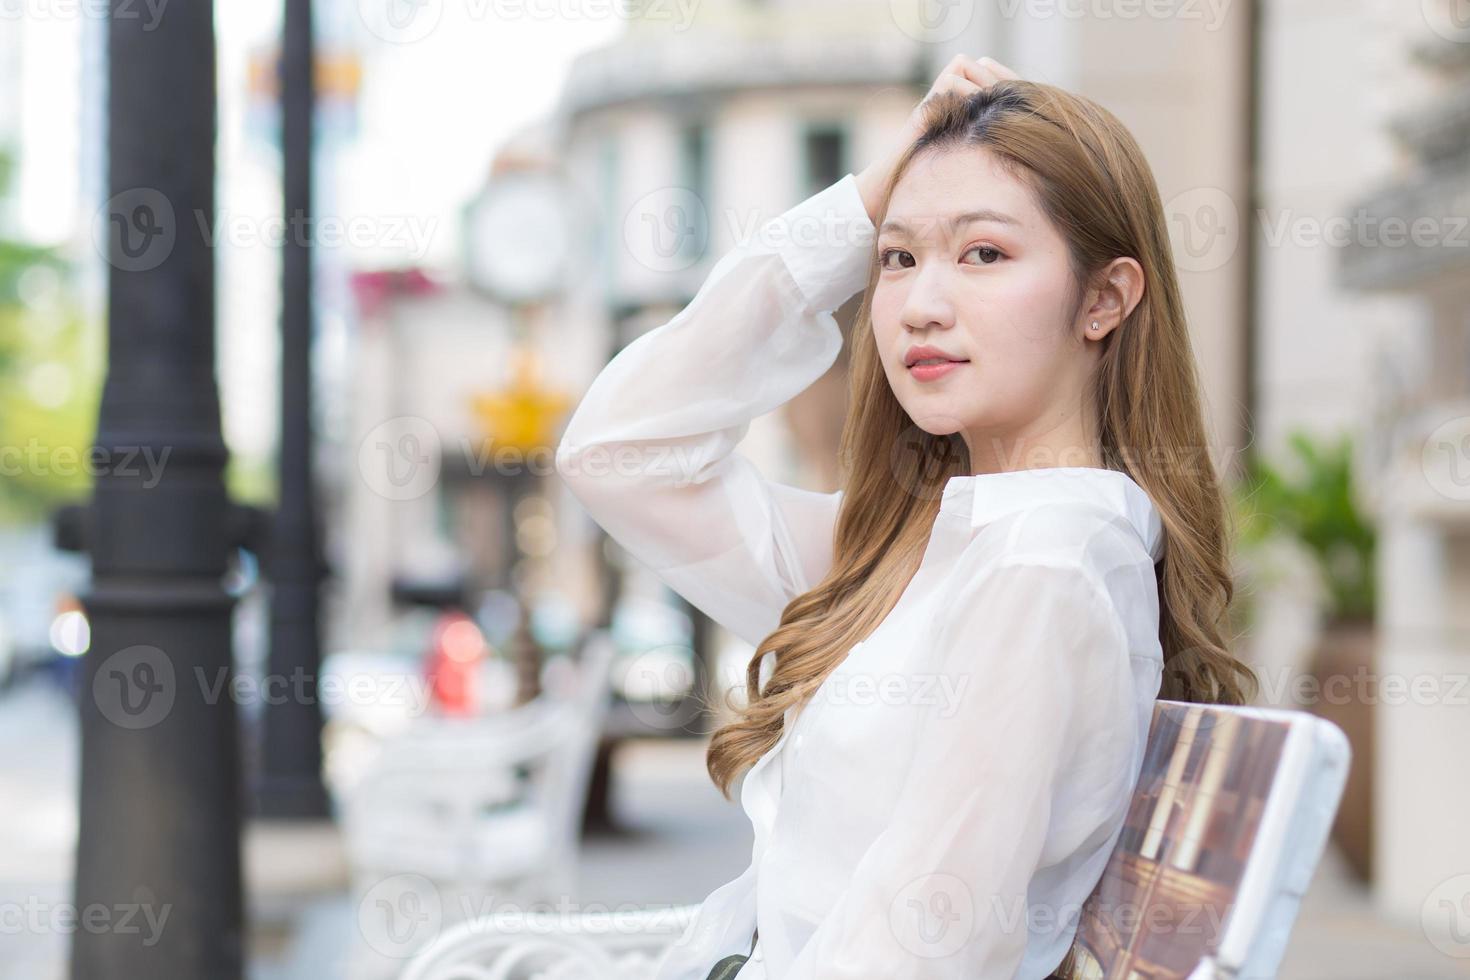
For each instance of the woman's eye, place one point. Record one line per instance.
(988, 256)
(883, 258)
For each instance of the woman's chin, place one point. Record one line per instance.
(936, 423)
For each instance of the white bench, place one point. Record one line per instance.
(483, 806)
(1261, 785)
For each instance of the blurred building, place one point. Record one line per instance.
(420, 503)
(1408, 259)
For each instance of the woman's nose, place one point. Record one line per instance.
(928, 305)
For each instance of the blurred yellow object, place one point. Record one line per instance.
(338, 75)
(522, 415)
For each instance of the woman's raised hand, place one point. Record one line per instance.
(963, 74)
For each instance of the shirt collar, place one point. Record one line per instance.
(983, 497)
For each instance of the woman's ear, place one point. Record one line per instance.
(1118, 293)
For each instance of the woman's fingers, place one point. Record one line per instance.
(971, 69)
(956, 83)
(981, 72)
(1000, 71)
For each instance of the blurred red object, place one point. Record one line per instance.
(373, 289)
(456, 651)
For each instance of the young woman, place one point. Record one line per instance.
(957, 653)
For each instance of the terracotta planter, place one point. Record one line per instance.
(1345, 651)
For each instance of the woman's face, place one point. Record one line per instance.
(969, 265)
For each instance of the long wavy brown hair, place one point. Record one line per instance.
(1092, 181)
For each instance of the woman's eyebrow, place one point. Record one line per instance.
(967, 217)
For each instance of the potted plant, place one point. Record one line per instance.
(1311, 499)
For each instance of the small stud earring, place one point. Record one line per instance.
(1095, 325)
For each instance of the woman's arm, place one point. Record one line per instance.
(1035, 758)
(650, 450)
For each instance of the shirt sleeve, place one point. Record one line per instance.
(1027, 762)
(650, 450)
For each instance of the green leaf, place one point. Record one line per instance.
(1310, 498)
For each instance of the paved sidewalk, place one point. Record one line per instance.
(1340, 936)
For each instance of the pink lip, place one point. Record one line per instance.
(928, 372)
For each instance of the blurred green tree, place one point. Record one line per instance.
(50, 374)
(1311, 499)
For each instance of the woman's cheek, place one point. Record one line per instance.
(884, 313)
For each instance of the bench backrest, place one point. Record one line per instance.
(1227, 825)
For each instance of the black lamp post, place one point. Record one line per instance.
(290, 782)
(159, 826)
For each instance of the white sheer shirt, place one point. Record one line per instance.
(949, 798)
